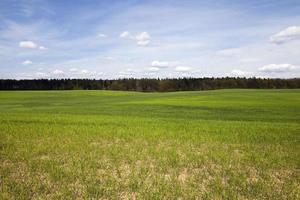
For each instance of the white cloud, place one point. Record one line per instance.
(239, 73)
(131, 70)
(125, 34)
(143, 36)
(288, 34)
(58, 72)
(84, 71)
(160, 64)
(31, 45)
(249, 60)
(229, 52)
(109, 58)
(127, 72)
(74, 70)
(81, 71)
(277, 68)
(42, 48)
(143, 43)
(186, 75)
(40, 74)
(183, 69)
(101, 35)
(28, 44)
(164, 64)
(27, 62)
(143, 39)
(153, 69)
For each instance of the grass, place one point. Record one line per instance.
(224, 144)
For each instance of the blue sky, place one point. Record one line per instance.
(132, 38)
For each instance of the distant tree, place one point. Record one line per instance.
(149, 85)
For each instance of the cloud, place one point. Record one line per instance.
(153, 69)
(143, 36)
(239, 73)
(84, 71)
(143, 39)
(183, 69)
(28, 44)
(143, 43)
(163, 64)
(127, 72)
(249, 60)
(42, 48)
(74, 70)
(109, 58)
(156, 65)
(72, 73)
(101, 35)
(277, 68)
(31, 45)
(81, 71)
(288, 34)
(125, 34)
(160, 64)
(40, 74)
(58, 72)
(229, 52)
(27, 62)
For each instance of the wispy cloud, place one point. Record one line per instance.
(153, 69)
(229, 52)
(164, 64)
(58, 72)
(277, 68)
(124, 34)
(183, 69)
(286, 35)
(27, 62)
(101, 35)
(127, 73)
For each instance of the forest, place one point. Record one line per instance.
(150, 85)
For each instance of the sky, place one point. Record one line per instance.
(108, 39)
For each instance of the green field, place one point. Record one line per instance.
(223, 144)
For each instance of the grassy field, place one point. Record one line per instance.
(224, 144)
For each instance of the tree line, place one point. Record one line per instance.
(149, 85)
